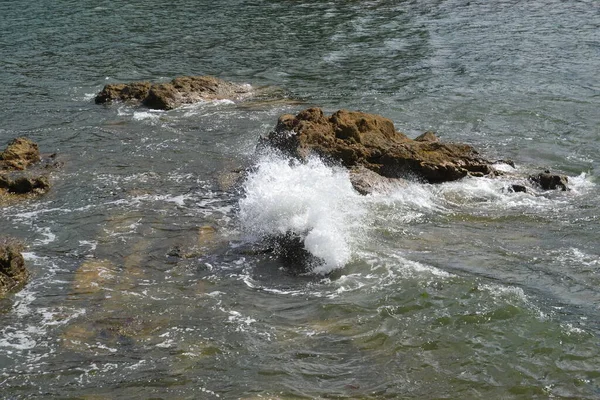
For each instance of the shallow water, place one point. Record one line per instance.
(149, 271)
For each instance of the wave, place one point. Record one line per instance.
(310, 201)
(317, 218)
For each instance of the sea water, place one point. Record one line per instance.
(152, 269)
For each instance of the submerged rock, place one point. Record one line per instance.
(181, 90)
(357, 139)
(549, 181)
(13, 273)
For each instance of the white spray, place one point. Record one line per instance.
(308, 199)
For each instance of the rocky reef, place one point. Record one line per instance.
(169, 95)
(13, 274)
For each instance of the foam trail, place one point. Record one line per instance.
(308, 199)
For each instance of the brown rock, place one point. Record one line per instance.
(136, 91)
(13, 273)
(427, 137)
(19, 154)
(355, 139)
(181, 90)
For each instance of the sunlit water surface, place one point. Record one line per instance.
(150, 277)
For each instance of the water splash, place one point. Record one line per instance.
(307, 199)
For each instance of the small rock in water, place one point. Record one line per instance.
(19, 154)
(26, 184)
(181, 90)
(517, 188)
(13, 273)
(16, 176)
(549, 181)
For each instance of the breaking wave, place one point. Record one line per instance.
(309, 200)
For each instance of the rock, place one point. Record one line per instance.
(366, 181)
(13, 273)
(19, 154)
(355, 139)
(22, 187)
(549, 181)
(28, 184)
(181, 90)
(136, 91)
(516, 188)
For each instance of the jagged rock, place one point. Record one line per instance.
(13, 273)
(354, 138)
(549, 181)
(181, 90)
(19, 154)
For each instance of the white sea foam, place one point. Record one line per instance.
(308, 199)
(580, 183)
(145, 115)
(49, 237)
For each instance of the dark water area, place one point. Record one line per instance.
(148, 275)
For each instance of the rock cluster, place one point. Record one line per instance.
(15, 178)
(181, 90)
(13, 273)
(356, 139)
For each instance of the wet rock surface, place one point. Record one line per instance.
(13, 274)
(19, 154)
(549, 181)
(357, 139)
(181, 90)
(22, 171)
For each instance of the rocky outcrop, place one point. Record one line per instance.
(13, 273)
(357, 139)
(20, 171)
(19, 154)
(181, 90)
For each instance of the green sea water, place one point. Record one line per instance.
(149, 278)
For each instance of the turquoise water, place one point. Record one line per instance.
(459, 290)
